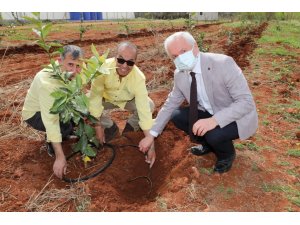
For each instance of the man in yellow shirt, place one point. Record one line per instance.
(36, 109)
(124, 87)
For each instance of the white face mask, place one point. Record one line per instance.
(185, 61)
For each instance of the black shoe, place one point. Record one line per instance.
(111, 132)
(50, 149)
(200, 150)
(224, 165)
(127, 128)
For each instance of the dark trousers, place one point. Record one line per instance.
(37, 123)
(218, 139)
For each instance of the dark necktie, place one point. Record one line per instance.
(193, 113)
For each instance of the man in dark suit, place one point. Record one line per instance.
(221, 107)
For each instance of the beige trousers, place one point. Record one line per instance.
(133, 120)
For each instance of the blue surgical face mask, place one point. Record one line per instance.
(185, 61)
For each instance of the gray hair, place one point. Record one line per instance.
(182, 34)
(74, 50)
(127, 44)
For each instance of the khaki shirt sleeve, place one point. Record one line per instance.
(96, 95)
(142, 105)
(51, 121)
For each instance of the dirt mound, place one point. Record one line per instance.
(244, 44)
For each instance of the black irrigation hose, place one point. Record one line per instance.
(148, 180)
(81, 179)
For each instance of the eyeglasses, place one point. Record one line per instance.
(122, 61)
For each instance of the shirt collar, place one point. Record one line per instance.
(197, 67)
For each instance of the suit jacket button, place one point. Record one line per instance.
(208, 68)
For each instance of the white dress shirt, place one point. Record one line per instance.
(201, 95)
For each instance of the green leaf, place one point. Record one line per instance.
(66, 90)
(95, 141)
(78, 81)
(79, 105)
(65, 116)
(44, 46)
(48, 67)
(76, 132)
(58, 94)
(79, 129)
(81, 126)
(76, 116)
(103, 57)
(72, 86)
(81, 144)
(89, 151)
(67, 75)
(89, 131)
(58, 105)
(55, 53)
(92, 119)
(76, 147)
(94, 51)
(57, 77)
(61, 50)
(37, 32)
(55, 44)
(85, 99)
(46, 29)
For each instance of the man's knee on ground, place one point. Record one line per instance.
(213, 137)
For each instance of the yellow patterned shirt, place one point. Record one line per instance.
(119, 92)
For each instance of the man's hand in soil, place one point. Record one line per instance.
(60, 164)
(146, 143)
(151, 155)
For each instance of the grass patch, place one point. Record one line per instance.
(292, 172)
(206, 171)
(262, 16)
(161, 204)
(283, 163)
(255, 168)
(228, 192)
(293, 195)
(281, 109)
(282, 69)
(267, 148)
(286, 32)
(296, 201)
(294, 152)
(236, 24)
(266, 122)
(246, 145)
(279, 51)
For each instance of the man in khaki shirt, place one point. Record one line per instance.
(123, 87)
(36, 109)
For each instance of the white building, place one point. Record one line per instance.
(67, 15)
(206, 16)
